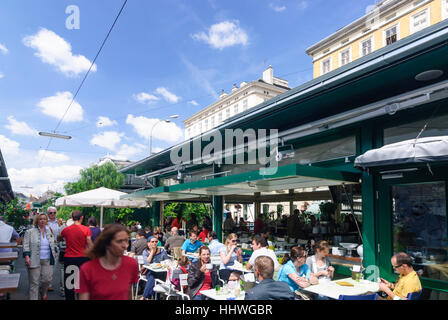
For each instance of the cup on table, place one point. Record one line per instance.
(218, 288)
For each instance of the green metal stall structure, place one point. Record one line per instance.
(384, 97)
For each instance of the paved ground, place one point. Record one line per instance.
(22, 292)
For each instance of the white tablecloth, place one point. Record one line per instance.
(333, 290)
(212, 295)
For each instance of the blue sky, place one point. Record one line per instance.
(162, 58)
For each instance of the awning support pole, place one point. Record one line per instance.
(350, 201)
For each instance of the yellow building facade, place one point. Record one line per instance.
(387, 22)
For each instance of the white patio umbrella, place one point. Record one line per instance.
(422, 150)
(101, 197)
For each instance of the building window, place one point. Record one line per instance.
(345, 57)
(213, 122)
(235, 109)
(419, 225)
(391, 35)
(188, 133)
(366, 47)
(245, 105)
(227, 113)
(200, 127)
(420, 20)
(220, 117)
(444, 9)
(206, 124)
(326, 66)
(437, 127)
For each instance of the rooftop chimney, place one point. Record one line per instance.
(268, 75)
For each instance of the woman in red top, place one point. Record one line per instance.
(202, 275)
(204, 234)
(109, 275)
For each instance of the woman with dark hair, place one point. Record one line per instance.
(202, 275)
(295, 272)
(109, 275)
(93, 228)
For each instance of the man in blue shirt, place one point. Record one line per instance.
(192, 244)
(214, 244)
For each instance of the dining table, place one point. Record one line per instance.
(8, 256)
(223, 294)
(333, 290)
(9, 282)
(6, 245)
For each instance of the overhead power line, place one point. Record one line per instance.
(86, 75)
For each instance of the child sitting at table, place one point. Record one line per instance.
(183, 263)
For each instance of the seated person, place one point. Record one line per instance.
(408, 282)
(202, 275)
(295, 272)
(319, 264)
(153, 255)
(267, 288)
(229, 254)
(203, 236)
(259, 246)
(139, 245)
(192, 244)
(174, 241)
(183, 264)
(214, 244)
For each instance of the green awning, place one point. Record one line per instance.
(291, 176)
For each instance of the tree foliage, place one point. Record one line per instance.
(193, 213)
(14, 212)
(94, 177)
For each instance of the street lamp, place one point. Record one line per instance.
(54, 135)
(175, 116)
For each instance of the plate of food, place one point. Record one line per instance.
(156, 265)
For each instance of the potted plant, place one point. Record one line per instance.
(327, 210)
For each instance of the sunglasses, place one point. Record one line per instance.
(51, 212)
(234, 240)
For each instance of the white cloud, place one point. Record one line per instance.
(223, 34)
(20, 128)
(108, 139)
(199, 76)
(46, 156)
(54, 50)
(127, 152)
(168, 132)
(43, 178)
(193, 102)
(1, 75)
(144, 97)
(302, 5)
(167, 95)
(8, 147)
(3, 49)
(105, 122)
(56, 106)
(277, 8)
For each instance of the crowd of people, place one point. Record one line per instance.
(93, 266)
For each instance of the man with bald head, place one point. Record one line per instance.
(408, 281)
(175, 241)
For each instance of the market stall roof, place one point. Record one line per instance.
(6, 193)
(385, 73)
(422, 150)
(291, 176)
(101, 197)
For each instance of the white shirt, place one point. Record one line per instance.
(54, 227)
(264, 252)
(5, 232)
